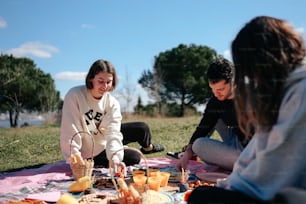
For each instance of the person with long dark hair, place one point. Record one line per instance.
(270, 99)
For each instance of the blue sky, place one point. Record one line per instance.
(64, 37)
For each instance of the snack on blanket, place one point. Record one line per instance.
(81, 184)
(27, 201)
(197, 183)
(93, 199)
(128, 194)
(187, 194)
(67, 199)
(103, 182)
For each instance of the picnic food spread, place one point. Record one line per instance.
(102, 189)
(128, 190)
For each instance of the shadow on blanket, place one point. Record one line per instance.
(22, 168)
(37, 177)
(50, 167)
(57, 167)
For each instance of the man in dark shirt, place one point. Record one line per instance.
(219, 115)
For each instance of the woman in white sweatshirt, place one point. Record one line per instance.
(93, 110)
(270, 97)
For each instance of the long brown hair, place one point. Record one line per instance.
(264, 52)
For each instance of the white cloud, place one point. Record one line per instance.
(36, 49)
(227, 54)
(87, 26)
(3, 23)
(71, 76)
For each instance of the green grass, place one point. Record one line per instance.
(28, 146)
(33, 146)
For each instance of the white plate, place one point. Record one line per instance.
(159, 197)
(211, 176)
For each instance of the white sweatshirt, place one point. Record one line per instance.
(101, 119)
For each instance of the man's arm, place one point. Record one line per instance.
(208, 121)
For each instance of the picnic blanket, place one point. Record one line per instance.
(53, 179)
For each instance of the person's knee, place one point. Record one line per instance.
(141, 126)
(132, 161)
(200, 145)
(206, 149)
(131, 157)
(144, 126)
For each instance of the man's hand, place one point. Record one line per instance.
(183, 161)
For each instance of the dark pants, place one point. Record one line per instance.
(136, 132)
(132, 132)
(214, 195)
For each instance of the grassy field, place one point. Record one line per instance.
(33, 146)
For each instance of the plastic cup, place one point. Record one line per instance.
(154, 183)
(164, 178)
(139, 180)
(138, 172)
(154, 172)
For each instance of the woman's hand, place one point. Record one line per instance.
(119, 169)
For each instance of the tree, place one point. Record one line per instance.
(151, 82)
(179, 75)
(25, 87)
(125, 95)
(138, 109)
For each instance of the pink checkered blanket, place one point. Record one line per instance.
(55, 178)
